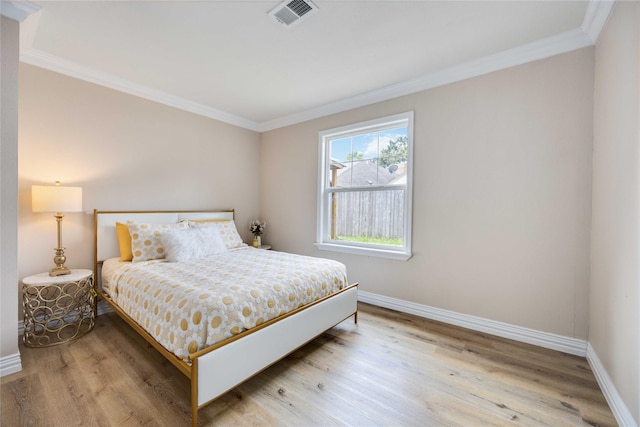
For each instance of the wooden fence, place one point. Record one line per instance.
(378, 214)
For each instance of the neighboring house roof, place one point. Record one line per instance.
(364, 172)
(400, 175)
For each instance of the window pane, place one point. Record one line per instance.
(340, 149)
(395, 153)
(368, 217)
(340, 153)
(363, 173)
(366, 146)
(369, 159)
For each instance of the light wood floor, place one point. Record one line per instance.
(390, 369)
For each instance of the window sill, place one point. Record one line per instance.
(380, 253)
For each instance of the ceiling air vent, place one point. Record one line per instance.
(291, 12)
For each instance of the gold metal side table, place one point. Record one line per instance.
(57, 309)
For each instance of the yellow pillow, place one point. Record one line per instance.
(124, 240)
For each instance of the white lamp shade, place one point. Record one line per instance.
(56, 199)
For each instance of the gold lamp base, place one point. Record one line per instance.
(59, 260)
(59, 271)
(57, 199)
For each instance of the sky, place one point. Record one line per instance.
(369, 144)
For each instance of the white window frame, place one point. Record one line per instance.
(323, 241)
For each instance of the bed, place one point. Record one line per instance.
(207, 305)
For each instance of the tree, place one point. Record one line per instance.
(355, 156)
(396, 152)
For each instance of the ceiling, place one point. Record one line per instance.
(231, 61)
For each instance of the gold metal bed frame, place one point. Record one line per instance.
(276, 338)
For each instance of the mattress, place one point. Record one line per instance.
(187, 306)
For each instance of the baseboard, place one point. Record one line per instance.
(619, 409)
(505, 330)
(10, 364)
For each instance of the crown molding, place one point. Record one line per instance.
(18, 10)
(544, 48)
(595, 19)
(69, 68)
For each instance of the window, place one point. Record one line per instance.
(364, 190)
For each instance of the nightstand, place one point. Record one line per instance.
(57, 309)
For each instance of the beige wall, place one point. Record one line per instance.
(614, 298)
(502, 198)
(127, 154)
(9, 54)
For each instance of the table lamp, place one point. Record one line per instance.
(57, 199)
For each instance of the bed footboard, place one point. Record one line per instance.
(213, 376)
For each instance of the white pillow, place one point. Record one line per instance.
(227, 230)
(192, 243)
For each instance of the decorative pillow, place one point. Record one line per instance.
(145, 239)
(194, 243)
(226, 228)
(124, 241)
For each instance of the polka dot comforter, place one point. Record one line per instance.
(187, 306)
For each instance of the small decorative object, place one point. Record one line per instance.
(257, 228)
